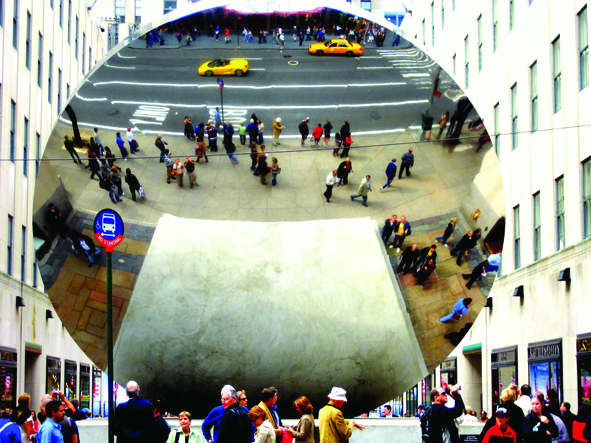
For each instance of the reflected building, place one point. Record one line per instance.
(237, 282)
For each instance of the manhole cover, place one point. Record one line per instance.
(114, 111)
(287, 56)
(375, 116)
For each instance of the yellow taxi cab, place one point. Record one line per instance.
(222, 66)
(336, 46)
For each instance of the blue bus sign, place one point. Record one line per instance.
(108, 229)
(221, 83)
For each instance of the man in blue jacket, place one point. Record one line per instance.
(213, 419)
(134, 419)
(460, 309)
(390, 173)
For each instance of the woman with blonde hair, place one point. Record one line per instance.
(176, 435)
(448, 231)
(304, 431)
(265, 432)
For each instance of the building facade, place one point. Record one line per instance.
(47, 48)
(525, 67)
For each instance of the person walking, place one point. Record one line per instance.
(304, 130)
(331, 181)
(477, 272)
(467, 242)
(69, 145)
(190, 168)
(161, 145)
(345, 130)
(275, 170)
(459, 309)
(443, 122)
(218, 117)
(169, 163)
(338, 141)
(400, 232)
(317, 134)
(230, 148)
(343, 171)
(200, 150)
(116, 179)
(94, 165)
(212, 136)
(390, 174)
(133, 146)
(97, 140)
(277, 128)
(326, 130)
(242, 134)
(364, 189)
(178, 170)
(347, 142)
(121, 145)
(110, 157)
(408, 161)
(448, 231)
(133, 183)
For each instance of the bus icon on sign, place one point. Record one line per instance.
(109, 225)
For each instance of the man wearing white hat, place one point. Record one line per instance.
(333, 426)
(277, 128)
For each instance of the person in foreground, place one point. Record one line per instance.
(333, 426)
(184, 434)
(438, 419)
(500, 432)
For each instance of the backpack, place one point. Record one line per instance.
(426, 425)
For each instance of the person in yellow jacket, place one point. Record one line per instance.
(333, 426)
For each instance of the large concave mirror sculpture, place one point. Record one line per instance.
(255, 285)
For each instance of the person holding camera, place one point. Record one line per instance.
(437, 423)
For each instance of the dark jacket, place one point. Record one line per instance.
(345, 131)
(263, 168)
(132, 181)
(440, 417)
(134, 421)
(425, 251)
(344, 169)
(516, 419)
(252, 129)
(478, 270)
(408, 159)
(410, 255)
(568, 418)
(235, 426)
(303, 127)
(391, 169)
(388, 228)
(532, 433)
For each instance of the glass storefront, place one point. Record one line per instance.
(54, 374)
(545, 366)
(84, 386)
(412, 402)
(504, 371)
(397, 406)
(427, 385)
(96, 391)
(71, 383)
(584, 369)
(449, 373)
(7, 378)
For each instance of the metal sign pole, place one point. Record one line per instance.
(111, 370)
(221, 83)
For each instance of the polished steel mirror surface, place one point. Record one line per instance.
(236, 281)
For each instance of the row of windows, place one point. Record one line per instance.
(26, 137)
(10, 248)
(559, 223)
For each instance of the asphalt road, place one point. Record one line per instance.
(384, 90)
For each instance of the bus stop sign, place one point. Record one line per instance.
(108, 229)
(221, 83)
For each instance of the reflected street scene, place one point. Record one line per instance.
(308, 201)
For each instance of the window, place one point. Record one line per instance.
(89, 59)
(67, 90)
(54, 374)
(557, 74)
(12, 129)
(453, 64)
(537, 227)
(545, 366)
(9, 245)
(453, 5)
(35, 274)
(504, 371)
(49, 86)
(15, 25)
(83, 52)
(76, 39)
(24, 255)
(442, 13)
(480, 55)
(560, 228)
(587, 198)
(1, 14)
(583, 41)
(138, 10)
(432, 23)
(495, 25)
(467, 62)
(497, 135)
(40, 61)
(61, 19)
(38, 149)
(533, 80)
(69, 20)
(25, 146)
(514, 120)
(59, 90)
(28, 42)
(365, 4)
(423, 31)
(120, 10)
(511, 14)
(516, 238)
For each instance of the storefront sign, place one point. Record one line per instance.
(584, 345)
(7, 356)
(544, 351)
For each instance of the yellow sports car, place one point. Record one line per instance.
(336, 46)
(222, 66)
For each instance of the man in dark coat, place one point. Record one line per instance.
(438, 416)
(464, 246)
(409, 258)
(69, 145)
(134, 419)
(253, 131)
(428, 253)
(235, 426)
(424, 271)
(408, 161)
(476, 273)
(388, 228)
(304, 130)
(567, 417)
